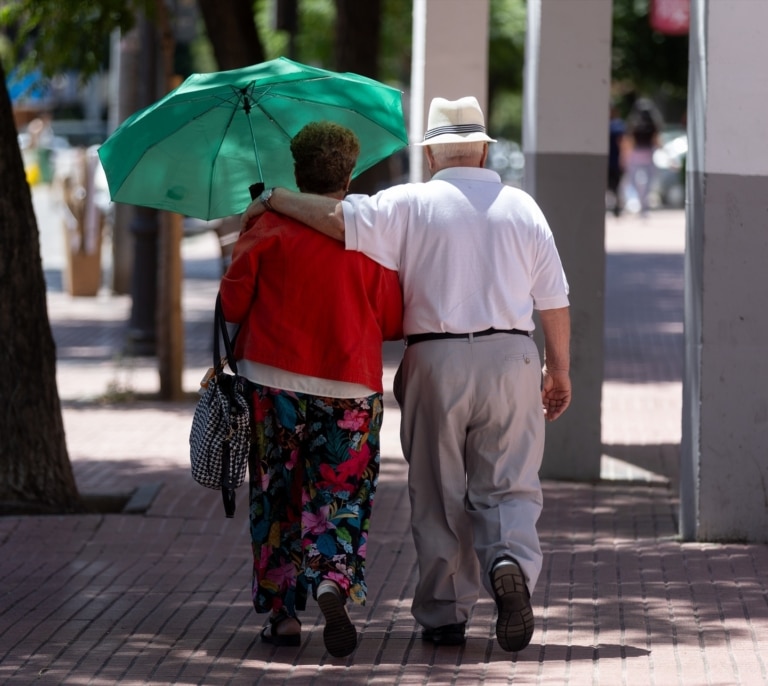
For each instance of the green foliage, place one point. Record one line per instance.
(505, 119)
(275, 42)
(644, 61)
(201, 54)
(506, 56)
(6, 52)
(396, 31)
(506, 50)
(56, 35)
(314, 43)
(314, 40)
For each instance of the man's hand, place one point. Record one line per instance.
(556, 387)
(555, 393)
(320, 212)
(255, 209)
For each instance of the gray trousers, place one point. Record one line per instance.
(472, 432)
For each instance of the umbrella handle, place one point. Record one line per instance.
(256, 189)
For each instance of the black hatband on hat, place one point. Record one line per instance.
(454, 128)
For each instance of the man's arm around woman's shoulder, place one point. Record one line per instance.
(319, 212)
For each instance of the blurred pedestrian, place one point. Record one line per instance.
(616, 132)
(644, 126)
(475, 258)
(313, 318)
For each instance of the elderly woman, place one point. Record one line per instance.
(313, 317)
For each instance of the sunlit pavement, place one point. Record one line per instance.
(161, 596)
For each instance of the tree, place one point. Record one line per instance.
(34, 465)
(35, 472)
(231, 29)
(356, 49)
(358, 34)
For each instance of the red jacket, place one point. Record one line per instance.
(309, 306)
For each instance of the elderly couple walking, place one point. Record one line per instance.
(456, 267)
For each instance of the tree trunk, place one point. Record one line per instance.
(170, 321)
(358, 36)
(35, 472)
(232, 31)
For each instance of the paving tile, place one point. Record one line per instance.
(161, 596)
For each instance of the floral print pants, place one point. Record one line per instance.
(314, 466)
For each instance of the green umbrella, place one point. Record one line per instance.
(198, 150)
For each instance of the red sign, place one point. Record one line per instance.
(670, 16)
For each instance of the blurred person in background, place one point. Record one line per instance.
(616, 132)
(644, 125)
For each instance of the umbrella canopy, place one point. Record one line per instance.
(199, 149)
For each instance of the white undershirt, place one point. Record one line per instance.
(274, 377)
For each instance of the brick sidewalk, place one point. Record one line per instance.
(161, 596)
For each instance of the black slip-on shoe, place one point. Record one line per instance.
(445, 635)
(514, 625)
(339, 634)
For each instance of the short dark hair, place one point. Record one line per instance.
(324, 156)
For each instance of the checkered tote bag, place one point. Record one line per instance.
(220, 437)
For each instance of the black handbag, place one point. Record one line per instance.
(220, 438)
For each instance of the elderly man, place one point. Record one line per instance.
(475, 258)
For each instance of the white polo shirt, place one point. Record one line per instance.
(471, 252)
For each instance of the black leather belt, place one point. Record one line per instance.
(419, 337)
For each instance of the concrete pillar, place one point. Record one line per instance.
(724, 470)
(565, 141)
(450, 60)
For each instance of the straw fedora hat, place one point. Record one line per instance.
(455, 121)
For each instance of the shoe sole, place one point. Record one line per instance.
(514, 626)
(339, 634)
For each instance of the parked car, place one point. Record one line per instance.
(506, 158)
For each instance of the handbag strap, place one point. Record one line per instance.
(221, 333)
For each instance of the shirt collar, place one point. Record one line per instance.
(467, 173)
